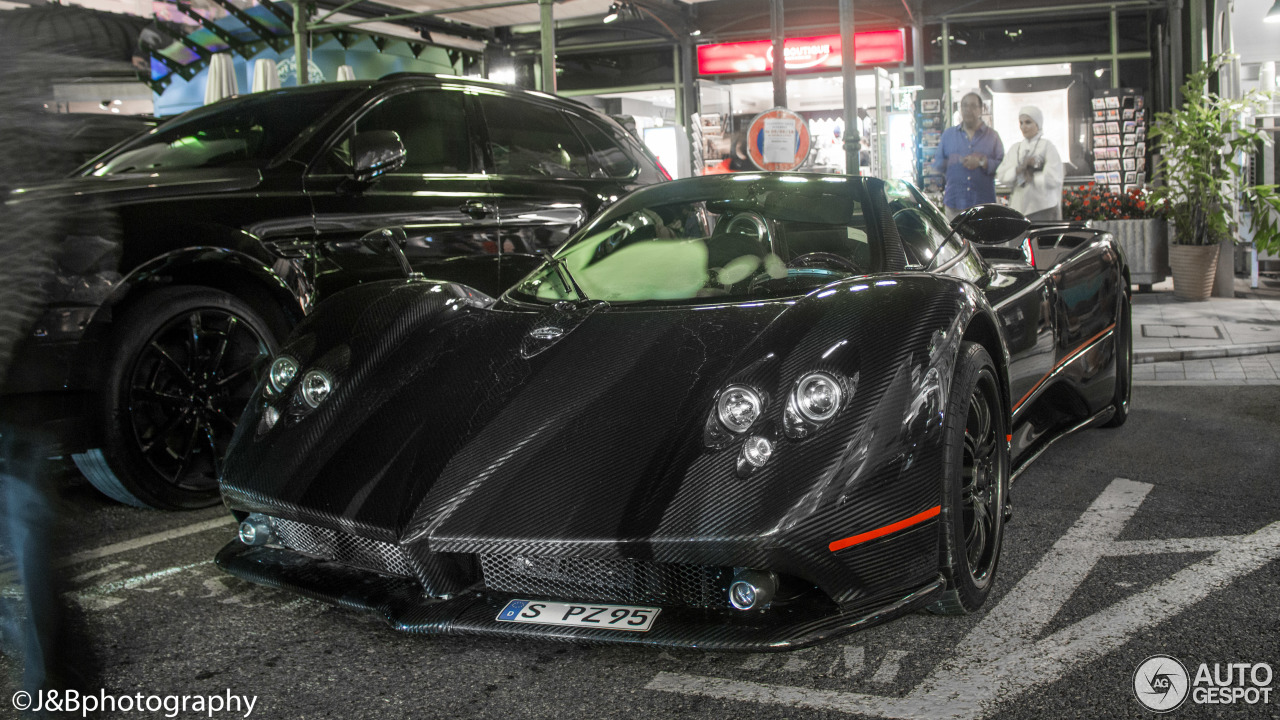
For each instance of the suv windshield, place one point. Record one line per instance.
(714, 240)
(247, 131)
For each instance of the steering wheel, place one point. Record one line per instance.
(818, 259)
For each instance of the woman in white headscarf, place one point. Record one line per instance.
(1034, 169)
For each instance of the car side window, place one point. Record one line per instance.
(921, 227)
(432, 124)
(607, 158)
(529, 139)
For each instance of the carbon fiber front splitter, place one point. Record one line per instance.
(400, 602)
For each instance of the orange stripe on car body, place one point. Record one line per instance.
(1071, 356)
(887, 529)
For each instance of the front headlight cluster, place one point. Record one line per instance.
(815, 398)
(310, 391)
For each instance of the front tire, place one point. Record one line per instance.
(184, 361)
(975, 484)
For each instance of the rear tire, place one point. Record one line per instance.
(1124, 365)
(184, 361)
(975, 482)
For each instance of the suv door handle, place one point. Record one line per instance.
(477, 209)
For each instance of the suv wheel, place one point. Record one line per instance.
(184, 362)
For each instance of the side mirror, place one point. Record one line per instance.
(990, 224)
(375, 153)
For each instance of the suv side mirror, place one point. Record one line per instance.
(375, 153)
(990, 224)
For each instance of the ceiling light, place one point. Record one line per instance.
(1273, 15)
(615, 8)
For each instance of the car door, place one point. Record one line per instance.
(545, 177)
(437, 205)
(1021, 300)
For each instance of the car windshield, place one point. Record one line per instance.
(721, 239)
(244, 131)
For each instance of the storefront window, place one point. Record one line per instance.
(1019, 40)
(615, 69)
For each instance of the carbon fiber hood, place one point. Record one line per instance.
(454, 426)
(457, 420)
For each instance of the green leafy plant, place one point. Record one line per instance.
(1201, 143)
(1094, 202)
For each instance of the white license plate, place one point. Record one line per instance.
(612, 617)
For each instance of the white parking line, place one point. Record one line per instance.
(1001, 657)
(133, 582)
(95, 573)
(887, 673)
(145, 540)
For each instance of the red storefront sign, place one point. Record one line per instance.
(881, 47)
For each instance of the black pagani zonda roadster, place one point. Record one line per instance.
(741, 412)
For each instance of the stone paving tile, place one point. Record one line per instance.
(1246, 370)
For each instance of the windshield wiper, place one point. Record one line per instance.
(566, 277)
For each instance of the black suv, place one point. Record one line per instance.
(237, 218)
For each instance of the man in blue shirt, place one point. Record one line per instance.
(968, 156)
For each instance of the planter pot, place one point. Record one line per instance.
(1194, 267)
(1146, 248)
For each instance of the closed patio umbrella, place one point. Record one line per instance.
(265, 75)
(346, 72)
(220, 79)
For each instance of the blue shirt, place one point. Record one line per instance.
(966, 188)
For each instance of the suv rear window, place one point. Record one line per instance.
(607, 158)
(529, 139)
(245, 131)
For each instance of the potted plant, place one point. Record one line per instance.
(1136, 221)
(1201, 146)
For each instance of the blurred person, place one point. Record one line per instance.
(968, 156)
(37, 624)
(866, 130)
(737, 160)
(1034, 169)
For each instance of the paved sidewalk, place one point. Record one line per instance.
(1221, 341)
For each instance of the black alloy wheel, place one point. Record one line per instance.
(187, 390)
(1124, 364)
(185, 363)
(981, 490)
(976, 482)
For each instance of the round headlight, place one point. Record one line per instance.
(757, 450)
(817, 396)
(281, 374)
(315, 388)
(739, 406)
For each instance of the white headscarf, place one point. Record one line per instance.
(1034, 113)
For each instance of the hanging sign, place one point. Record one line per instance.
(778, 139)
(877, 47)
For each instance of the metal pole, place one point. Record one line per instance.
(548, 46)
(1176, 61)
(778, 30)
(848, 73)
(300, 50)
(917, 54)
(1198, 34)
(1115, 48)
(946, 74)
(688, 83)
